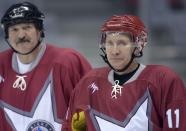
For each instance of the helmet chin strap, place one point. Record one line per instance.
(39, 42)
(104, 57)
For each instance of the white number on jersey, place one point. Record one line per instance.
(169, 117)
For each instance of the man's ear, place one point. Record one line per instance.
(138, 52)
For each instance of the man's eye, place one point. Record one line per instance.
(27, 27)
(109, 44)
(13, 29)
(121, 43)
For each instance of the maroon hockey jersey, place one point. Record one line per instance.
(151, 100)
(38, 99)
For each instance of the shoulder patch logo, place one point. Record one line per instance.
(93, 87)
(1, 79)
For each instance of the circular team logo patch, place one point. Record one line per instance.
(40, 125)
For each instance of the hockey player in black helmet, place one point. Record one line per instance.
(36, 79)
(23, 13)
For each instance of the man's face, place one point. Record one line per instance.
(119, 49)
(23, 37)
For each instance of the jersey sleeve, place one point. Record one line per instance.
(174, 105)
(69, 67)
(75, 69)
(78, 102)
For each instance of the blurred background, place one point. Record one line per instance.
(76, 24)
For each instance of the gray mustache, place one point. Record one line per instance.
(22, 40)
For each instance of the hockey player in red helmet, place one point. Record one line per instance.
(127, 95)
(133, 29)
(36, 78)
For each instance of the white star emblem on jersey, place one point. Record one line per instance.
(138, 122)
(43, 111)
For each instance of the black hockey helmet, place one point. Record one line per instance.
(24, 12)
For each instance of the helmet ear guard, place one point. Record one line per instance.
(24, 12)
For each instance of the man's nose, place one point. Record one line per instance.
(115, 50)
(21, 34)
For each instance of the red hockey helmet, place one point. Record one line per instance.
(127, 24)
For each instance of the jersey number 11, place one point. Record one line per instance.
(169, 117)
